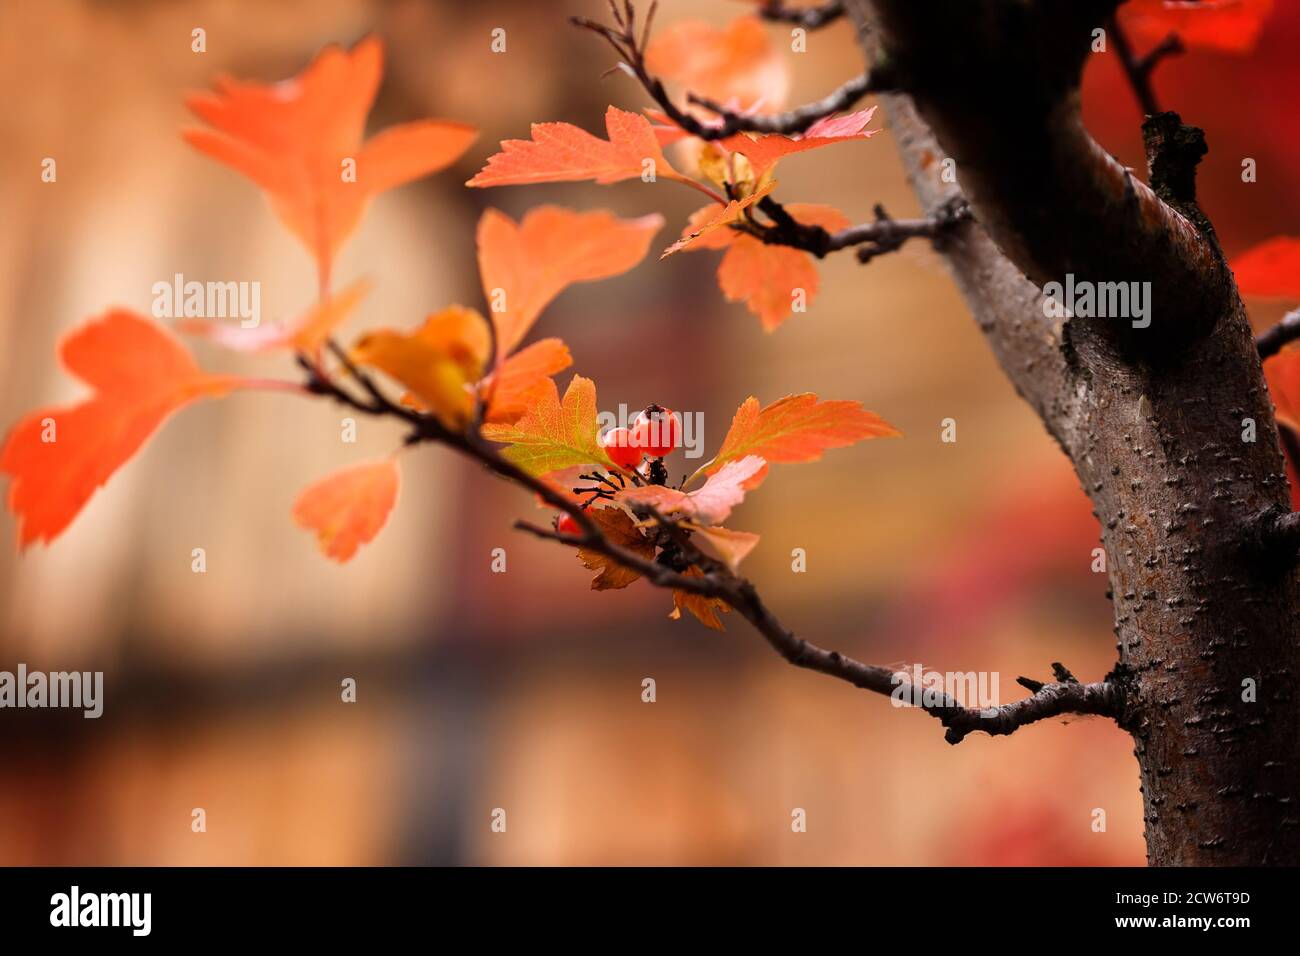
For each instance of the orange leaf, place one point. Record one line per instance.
(767, 278)
(562, 152)
(620, 529)
(349, 507)
(439, 362)
(306, 334)
(1270, 269)
(764, 276)
(301, 141)
(796, 428)
(763, 152)
(703, 224)
(524, 266)
(58, 457)
(1231, 26)
(705, 609)
(514, 384)
(711, 503)
(733, 63)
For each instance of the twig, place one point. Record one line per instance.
(792, 121)
(1270, 341)
(631, 49)
(886, 234)
(716, 580)
(810, 17)
(1139, 69)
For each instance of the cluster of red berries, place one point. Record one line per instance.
(655, 432)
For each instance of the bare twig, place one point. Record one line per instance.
(792, 121)
(1270, 341)
(811, 18)
(631, 50)
(871, 239)
(1139, 68)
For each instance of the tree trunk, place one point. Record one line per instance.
(1156, 420)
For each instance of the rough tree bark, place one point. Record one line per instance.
(1152, 418)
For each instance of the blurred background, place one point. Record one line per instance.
(522, 690)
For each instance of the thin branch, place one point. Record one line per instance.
(1139, 68)
(811, 18)
(796, 120)
(886, 234)
(631, 49)
(1270, 341)
(717, 581)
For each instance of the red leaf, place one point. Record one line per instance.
(1270, 269)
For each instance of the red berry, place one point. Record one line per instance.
(567, 524)
(618, 444)
(657, 431)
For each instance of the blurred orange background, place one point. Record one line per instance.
(522, 690)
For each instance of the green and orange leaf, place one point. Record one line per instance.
(562, 152)
(293, 140)
(796, 428)
(349, 507)
(523, 266)
(58, 457)
(552, 435)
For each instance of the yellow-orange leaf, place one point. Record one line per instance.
(711, 503)
(734, 63)
(524, 266)
(306, 334)
(516, 381)
(731, 546)
(439, 362)
(562, 152)
(552, 435)
(301, 141)
(348, 508)
(703, 224)
(619, 529)
(58, 457)
(796, 428)
(705, 609)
